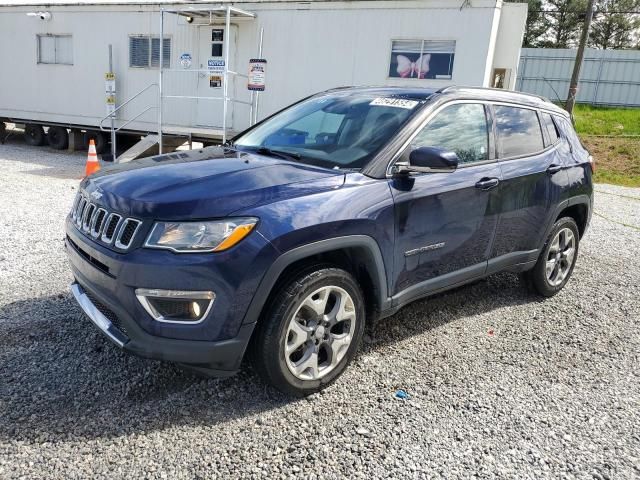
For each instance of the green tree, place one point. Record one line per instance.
(536, 26)
(613, 27)
(565, 20)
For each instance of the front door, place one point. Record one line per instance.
(209, 113)
(445, 222)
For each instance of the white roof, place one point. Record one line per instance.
(43, 3)
(46, 3)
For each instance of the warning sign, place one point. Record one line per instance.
(257, 72)
(110, 92)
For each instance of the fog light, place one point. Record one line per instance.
(195, 308)
(176, 306)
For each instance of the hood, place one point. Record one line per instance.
(205, 183)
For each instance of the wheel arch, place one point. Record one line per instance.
(579, 211)
(358, 254)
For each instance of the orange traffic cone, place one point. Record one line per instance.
(92, 159)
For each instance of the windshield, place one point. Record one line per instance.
(338, 130)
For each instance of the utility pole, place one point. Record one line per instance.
(573, 86)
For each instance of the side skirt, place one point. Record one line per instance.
(511, 262)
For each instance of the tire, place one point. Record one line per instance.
(99, 138)
(557, 260)
(34, 135)
(58, 138)
(332, 340)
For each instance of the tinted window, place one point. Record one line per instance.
(518, 131)
(552, 132)
(461, 128)
(570, 134)
(340, 129)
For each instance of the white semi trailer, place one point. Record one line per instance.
(193, 84)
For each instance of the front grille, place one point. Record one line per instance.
(107, 312)
(106, 227)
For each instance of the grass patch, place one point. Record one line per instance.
(617, 159)
(617, 154)
(606, 121)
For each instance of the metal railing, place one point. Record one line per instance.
(112, 115)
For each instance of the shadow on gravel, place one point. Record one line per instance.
(60, 379)
(45, 160)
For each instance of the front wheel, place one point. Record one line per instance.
(311, 331)
(557, 260)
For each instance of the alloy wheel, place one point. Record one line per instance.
(319, 333)
(560, 256)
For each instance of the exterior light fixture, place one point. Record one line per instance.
(46, 16)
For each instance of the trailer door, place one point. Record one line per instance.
(210, 84)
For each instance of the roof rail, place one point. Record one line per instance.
(460, 87)
(444, 89)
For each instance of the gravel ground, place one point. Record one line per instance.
(502, 383)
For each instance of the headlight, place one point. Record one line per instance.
(214, 236)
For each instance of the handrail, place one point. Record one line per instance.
(134, 118)
(125, 104)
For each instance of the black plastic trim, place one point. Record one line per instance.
(378, 271)
(440, 283)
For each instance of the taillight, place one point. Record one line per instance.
(592, 163)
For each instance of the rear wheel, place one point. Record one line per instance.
(311, 331)
(557, 260)
(58, 137)
(34, 135)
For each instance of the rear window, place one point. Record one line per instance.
(518, 131)
(570, 134)
(552, 132)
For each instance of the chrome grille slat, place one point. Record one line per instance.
(80, 211)
(86, 217)
(113, 217)
(97, 222)
(74, 209)
(102, 226)
(129, 221)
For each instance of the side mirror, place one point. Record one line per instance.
(428, 160)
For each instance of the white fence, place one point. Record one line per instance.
(608, 77)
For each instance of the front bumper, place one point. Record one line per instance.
(221, 358)
(105, 284)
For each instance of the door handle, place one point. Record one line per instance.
(487, 183)
(553, 168)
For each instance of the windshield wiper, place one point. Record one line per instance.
(277, 153)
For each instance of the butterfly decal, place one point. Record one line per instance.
(407, 68)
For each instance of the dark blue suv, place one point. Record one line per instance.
(330, 214)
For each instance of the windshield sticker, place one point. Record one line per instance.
(394, 102)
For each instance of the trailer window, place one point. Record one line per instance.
(422, 59)
(144, 51)
(55, 49)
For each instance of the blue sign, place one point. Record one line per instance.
(215, 65)
(185, 60)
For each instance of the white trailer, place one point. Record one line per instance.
(193, 84)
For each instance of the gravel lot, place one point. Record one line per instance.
(502, 384)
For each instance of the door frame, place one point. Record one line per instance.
(470, 272)
(231, 87)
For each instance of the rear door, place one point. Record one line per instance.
(533, 175)
(445, 222)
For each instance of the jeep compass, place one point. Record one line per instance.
(334, 212)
